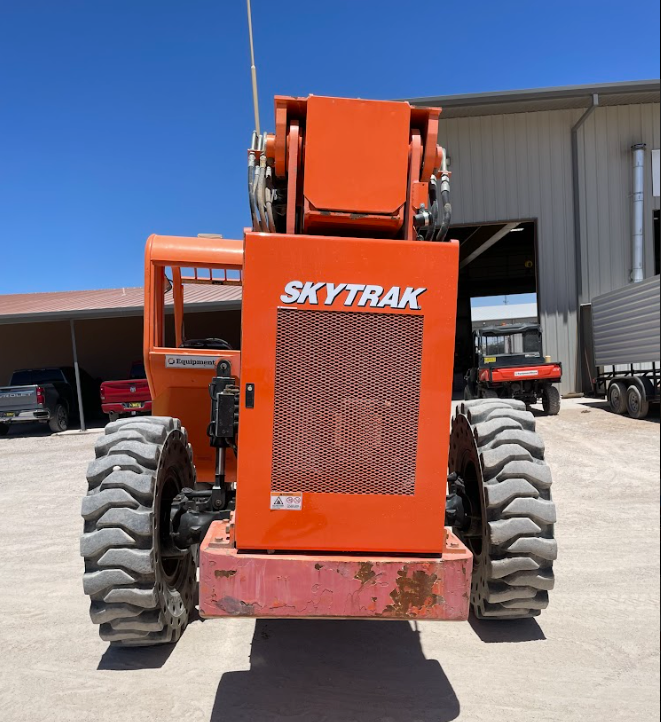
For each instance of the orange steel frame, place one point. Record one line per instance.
(184, 392)
(322, 176)
(362, 129)
(341, 225)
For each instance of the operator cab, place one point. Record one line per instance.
(510, 345)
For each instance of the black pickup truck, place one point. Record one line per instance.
(46, 395)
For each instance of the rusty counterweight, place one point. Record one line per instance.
(236, 584)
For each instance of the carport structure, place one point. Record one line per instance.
(101, 330)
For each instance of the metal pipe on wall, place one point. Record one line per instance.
(637, 213)
(582, 379)
(577, 195)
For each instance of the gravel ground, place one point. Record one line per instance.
(593, 655)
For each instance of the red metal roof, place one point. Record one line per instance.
(23, 307)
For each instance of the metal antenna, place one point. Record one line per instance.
(253, 72)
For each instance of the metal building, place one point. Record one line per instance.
(555, 165)
(542, 202)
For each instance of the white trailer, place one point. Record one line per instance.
(627, 350)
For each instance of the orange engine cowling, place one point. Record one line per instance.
(346, 377)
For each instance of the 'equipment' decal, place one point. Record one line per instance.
(191, 362)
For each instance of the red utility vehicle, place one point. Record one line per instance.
(127, 398)
(510, 364)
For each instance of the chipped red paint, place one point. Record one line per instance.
(302, 585)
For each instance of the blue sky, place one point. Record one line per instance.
(119, 118)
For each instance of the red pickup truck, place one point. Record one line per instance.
(127, 398)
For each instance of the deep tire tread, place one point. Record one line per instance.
(121, 575)
(519, 548)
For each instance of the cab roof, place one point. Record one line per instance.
(508, 329)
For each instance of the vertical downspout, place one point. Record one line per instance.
(577, 195)
(637, 237)
(578, 262)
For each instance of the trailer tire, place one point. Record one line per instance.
(637, 404)
(507, 498)
(4, 429)
(59, 421)
(112, 416)
(617, 397)
(551, 400)
(141, 592)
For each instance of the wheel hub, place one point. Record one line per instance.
(464, 461)
(173, 474)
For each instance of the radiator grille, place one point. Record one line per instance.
(347, 397)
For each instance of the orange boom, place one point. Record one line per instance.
(315, 468)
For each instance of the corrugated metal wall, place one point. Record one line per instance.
(626, 324)
(518, 167)
(606, 182)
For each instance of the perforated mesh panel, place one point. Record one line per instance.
(347, 397)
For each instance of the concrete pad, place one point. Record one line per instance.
(592, 655)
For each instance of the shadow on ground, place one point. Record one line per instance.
(36, 429)
(336, 671)
(499, 631)
(28, 429)
(601, 405)
(122, 659)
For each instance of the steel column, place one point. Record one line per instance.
(76, 369)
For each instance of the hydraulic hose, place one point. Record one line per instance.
(433, 209)
(255, 186)
(447, 217)
(445, 199)
(261, 184)
(251, 182)
(251, 197)
(268, 204)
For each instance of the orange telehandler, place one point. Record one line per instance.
(316, 470)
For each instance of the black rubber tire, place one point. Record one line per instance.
(468, 394)
(112, 416)
(488, 394)
(138, 597)
(495, 449)
(551, 400)
(617, 397)
(59, 421)
(638, 406)
(4, 429)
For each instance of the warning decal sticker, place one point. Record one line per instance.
(288, 502)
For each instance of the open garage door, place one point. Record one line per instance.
(496, 259)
